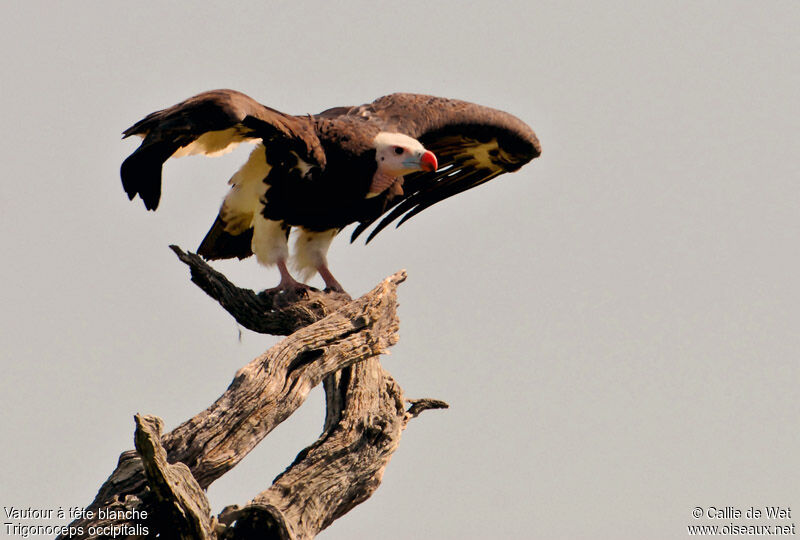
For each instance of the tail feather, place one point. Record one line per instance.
(220, 244)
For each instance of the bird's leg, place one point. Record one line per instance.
(270, 247)
(287, 281)
(330, 281)
(310, 250)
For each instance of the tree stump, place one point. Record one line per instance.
(159, 488)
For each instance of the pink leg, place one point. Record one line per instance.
(330, 281)
(287, 281)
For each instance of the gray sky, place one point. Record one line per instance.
(615, 327)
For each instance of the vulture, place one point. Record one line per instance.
(384, 160)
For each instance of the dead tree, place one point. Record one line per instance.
(159, 488)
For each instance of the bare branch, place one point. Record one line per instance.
(267, 312)
(418, 406)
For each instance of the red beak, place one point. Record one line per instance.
(428, 162)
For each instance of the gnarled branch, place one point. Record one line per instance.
(267, 312)
(333, 340)
(344, 467)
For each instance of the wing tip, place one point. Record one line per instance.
(141, 175)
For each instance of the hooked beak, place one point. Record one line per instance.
(425, 161)
(428, 162)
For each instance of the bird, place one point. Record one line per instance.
(318, 173)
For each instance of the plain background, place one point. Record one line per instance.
(615, 326)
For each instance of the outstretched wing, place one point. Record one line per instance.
(472, 143)
(211, 123)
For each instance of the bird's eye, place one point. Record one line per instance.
(398, 150)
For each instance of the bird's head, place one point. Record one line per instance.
(397, 154)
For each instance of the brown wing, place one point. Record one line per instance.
(472, 143)
(210, 123)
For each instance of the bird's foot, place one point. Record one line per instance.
(288, 293)
(334, 287)
(331, 285)
(288, 286)
(291, 285)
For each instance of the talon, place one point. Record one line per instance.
(288, 283)
(335, 288)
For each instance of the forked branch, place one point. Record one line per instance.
(333, 339)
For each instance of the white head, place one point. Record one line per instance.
(399, 154)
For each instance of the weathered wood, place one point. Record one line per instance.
(267, 312)
(334, 340)
(180, 501)
(273, 386)
(343, 468)
(418, 406)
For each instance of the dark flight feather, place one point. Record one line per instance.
(219, 244)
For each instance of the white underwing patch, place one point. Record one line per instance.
(214, 143)
(243, 201)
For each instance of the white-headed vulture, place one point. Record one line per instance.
(388, 159)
